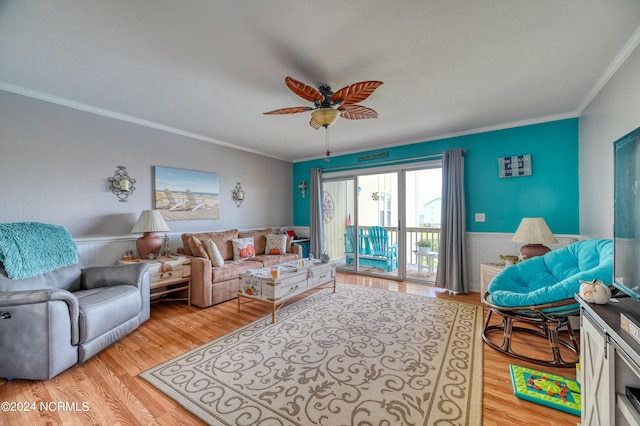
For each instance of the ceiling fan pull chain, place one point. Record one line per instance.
(328, 153)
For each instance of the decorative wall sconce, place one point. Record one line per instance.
(237, 194)
(121, 184)
(303, 187)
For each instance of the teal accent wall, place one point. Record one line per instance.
(550, 192)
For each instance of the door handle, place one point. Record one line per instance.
(5, 315)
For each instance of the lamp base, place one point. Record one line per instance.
(532, 250)
(148, 243)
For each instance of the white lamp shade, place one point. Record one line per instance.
(534, 230)
(150, 221)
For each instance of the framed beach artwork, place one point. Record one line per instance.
(181, 194)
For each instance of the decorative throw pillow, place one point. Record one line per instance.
(197, 248)
(276, 244)
(243, 248)
(214, 254)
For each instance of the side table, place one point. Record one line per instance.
(167, 274)
(487, 272)
(431, 257)
(305, 243)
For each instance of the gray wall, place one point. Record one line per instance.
(55, 162)
(612, 114)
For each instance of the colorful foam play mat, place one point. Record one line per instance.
(547, 389)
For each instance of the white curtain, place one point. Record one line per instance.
(316, 219)
(452, 259)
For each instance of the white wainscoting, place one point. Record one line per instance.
(486, 247)
(105, 251)
(482, 247)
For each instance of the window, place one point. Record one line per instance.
(384, 206)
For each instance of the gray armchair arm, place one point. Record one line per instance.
(130, 274)
(104, 276)
(13, 299)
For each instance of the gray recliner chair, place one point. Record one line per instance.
(55, 320)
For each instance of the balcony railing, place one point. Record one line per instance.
(414, 235)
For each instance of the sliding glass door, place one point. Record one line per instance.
(423, 188)
(339, 213)
(373, 220)
(377, 224)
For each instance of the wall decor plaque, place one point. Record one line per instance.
(514, 166)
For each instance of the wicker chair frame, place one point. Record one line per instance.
(547, 319)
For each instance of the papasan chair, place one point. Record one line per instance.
(540, 292)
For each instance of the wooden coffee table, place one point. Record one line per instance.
(258, 284)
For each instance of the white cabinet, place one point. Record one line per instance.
(610, 363)
(487, 272)
(598, 403)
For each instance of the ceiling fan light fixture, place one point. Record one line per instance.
(325, 116)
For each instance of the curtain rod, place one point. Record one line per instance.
(383, 163)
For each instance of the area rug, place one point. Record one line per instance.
(360, 356)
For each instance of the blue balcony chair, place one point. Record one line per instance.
(349, 244)
(378, 251)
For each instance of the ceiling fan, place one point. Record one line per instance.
(329, 105)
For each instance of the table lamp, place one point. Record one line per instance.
(534, 232)
(149, 222)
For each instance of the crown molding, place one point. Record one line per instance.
(123, 117)
(609, 72)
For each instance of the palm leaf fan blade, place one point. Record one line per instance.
(305, 92)
(356, 92)
(356, 112)
(313, 123)
(291, 110)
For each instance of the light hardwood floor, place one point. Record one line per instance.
(106, 390)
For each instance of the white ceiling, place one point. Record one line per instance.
(210, 68)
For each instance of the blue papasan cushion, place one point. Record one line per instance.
(553, 277)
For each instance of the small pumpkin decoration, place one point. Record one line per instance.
(595, 292)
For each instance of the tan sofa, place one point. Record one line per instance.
(212, 284)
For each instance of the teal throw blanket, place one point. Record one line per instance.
(28, 249)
